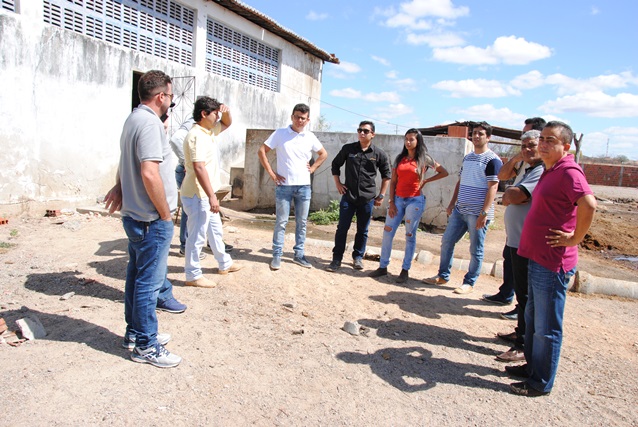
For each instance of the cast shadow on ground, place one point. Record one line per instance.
(115, 266)
(58, 284)
(432, 307)
(401, 330)
(68, 329)
(413, 369)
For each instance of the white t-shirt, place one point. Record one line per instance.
(294, 151)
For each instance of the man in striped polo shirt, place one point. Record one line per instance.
(471, 209)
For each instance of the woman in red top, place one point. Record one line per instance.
(406, 200)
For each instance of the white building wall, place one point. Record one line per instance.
(66, 97)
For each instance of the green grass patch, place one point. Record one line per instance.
(327, 216)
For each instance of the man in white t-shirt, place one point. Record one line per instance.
(294, 147)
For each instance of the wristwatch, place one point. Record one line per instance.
(483, 213)
(381, 196)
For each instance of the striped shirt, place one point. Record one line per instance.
(476, 172)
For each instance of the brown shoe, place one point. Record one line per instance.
(234, 267)
(202, 282)
(524, 389)
(436, 280)
(512, 355)
(509, 337)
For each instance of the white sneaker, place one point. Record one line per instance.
(156, 356)
(129, 340)
(464, 289)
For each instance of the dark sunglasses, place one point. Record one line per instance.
(365, 131)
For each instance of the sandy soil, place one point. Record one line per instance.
(266, 348)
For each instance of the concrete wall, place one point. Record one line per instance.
(259, 189)
(66, 97)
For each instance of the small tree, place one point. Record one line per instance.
(322, 124)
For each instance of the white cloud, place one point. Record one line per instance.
(343, 70)
(502, 117)
(381, 61)
(405, 85)
(509, 50)
(476, 88)
(530, 80)
(596, 104)
(314, 16)
(349, 67)
(393, 111)
(568, 85)
(594, 10)
(621, 140)
(435, 39)
(391, 74)
(370, 97)
(437, 8)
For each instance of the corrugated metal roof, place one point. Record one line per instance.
(258, 18)
(496, 131)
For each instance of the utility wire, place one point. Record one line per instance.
(365, 116)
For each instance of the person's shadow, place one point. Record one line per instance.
(412, 369)
(68, 329)
(432, 307)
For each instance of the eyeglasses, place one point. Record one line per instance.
(365, 131)
(170, 95)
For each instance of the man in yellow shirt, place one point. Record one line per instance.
(198, 190)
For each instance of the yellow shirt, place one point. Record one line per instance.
(199, 146)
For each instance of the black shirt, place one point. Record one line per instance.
(361, 170)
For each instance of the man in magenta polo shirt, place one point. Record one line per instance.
(562, 210)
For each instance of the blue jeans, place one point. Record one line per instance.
(458, 224)
(547, 292)
(180, 173)
(202, 223)
(412, 209)
(284, 196)
(347, 210)
(148, 246)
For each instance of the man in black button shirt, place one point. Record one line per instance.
(359, 194)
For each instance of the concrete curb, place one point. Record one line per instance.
(587, 284)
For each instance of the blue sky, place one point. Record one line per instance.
(420, 63)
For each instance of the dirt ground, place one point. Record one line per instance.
(266, 348)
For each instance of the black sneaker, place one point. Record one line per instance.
(334, 266)
(517, 371)
(358, 264)
(510, 315)
(379, 272)
(496, 299)
(403, 276)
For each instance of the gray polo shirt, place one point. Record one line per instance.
(515, 214)
(144, 139)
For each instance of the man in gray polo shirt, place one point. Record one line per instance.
(148, 198)
(518, 199)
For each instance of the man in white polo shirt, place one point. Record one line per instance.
(294, 147)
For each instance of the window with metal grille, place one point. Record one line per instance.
(8, 5)
(162, 28)
(239, 57)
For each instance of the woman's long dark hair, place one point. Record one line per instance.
(420, 154)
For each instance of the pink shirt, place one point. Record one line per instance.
(554, 206)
